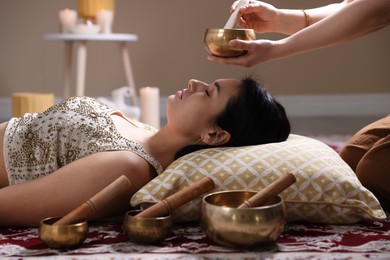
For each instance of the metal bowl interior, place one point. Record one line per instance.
(146, 230)
(248, 227)
(217, 40)
(62, 236)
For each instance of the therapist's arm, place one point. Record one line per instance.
(358, 18)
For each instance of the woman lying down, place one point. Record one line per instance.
(54, 161)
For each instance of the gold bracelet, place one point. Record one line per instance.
(307, 18)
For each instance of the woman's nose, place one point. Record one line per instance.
(194, 85)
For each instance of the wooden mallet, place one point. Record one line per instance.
(99, 201)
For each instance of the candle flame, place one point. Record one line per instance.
(89, 23)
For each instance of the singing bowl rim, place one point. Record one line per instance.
(229, 29)
(128, 214)
(207, 197)
(53, 219)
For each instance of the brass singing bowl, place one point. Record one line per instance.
(146, 230)
(62, 236)
(227, 225)
(217, 41)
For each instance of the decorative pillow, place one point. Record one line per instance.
(326, 190)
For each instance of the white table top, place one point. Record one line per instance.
(125, 37)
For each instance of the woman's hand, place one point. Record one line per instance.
(259, 51)
(257, 15)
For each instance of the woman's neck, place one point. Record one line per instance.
(164, 144)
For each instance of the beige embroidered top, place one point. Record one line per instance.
(36, 145)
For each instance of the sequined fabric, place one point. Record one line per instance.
(36, 145)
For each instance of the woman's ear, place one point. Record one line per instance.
(215, 137)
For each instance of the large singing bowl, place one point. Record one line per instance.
(227, 225)
(217, 40)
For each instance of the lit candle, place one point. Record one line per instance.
(86, 28)
(68, 19)
(105, 18)
(150, 106)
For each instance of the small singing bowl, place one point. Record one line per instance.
(62, 236)
(227, 225)
(217, 41)
(146, 230)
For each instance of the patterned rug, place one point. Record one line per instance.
(298, 241)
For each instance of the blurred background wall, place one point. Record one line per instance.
(170, 51)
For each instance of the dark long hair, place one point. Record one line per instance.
(252, 117)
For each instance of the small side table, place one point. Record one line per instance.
(81, 39)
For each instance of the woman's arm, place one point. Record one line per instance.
(355, 19)
(57, 194)
(264, 17)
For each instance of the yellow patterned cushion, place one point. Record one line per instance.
(326, 191)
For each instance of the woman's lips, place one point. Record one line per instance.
(180, 93)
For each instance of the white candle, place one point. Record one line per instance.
(150, 106)
(86, 28)
(105, 18)
(68, 19)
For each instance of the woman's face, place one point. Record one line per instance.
(196, 107)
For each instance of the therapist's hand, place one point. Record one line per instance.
(258, 51)
(257, 15)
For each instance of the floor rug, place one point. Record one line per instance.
(369, 240)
